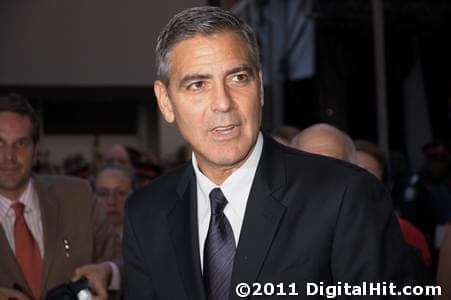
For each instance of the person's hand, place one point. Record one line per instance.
(99, 277)
(7, 294)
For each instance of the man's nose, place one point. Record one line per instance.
(222, 100)
(111, 200)
(9, 153)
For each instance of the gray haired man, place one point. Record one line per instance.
(246, 210)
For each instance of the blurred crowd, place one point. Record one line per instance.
(421, 200)
(144, 164)
(113, 174)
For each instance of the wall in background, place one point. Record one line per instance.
(102, 42)
(106, 43)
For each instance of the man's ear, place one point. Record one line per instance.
(164, 102)
(262, 94)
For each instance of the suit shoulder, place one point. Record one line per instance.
(319, 161)
(72, 191)
(316, 168)
(62, 181)
(66, 184)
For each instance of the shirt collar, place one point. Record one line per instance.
(28, 198)
(237, 186)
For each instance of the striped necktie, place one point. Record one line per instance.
(219, 251)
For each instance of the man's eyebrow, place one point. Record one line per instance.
(24, 138)
(192, 77)
(196, 76)
(242, 68)
(21, 139)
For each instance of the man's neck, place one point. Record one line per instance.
(218, 175)
(14, 195)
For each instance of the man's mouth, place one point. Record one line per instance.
(224, 129)
(9, 169)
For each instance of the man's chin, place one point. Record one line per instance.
(230, 160)
(115, 217)
(12, 185)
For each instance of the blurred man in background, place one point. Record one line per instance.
(370, 157)
(426, 195)
(284, 134)
(327, 140)
(113, 185)
(52, 229)
(118, 155)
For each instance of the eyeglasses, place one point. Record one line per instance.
(113, 193)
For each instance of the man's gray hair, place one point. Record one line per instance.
(203, 21)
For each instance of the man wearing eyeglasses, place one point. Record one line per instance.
(113, 184)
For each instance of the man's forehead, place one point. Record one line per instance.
(200, 45)
(12, 123)
(13, 118)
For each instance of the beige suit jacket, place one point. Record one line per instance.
(69, 213)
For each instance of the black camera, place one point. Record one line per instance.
(79, 290)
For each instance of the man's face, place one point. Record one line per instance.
(215, 98)
(16, 153)
(118, 155)
(112, 189)
(369, 163)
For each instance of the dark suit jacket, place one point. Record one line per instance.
(68, 212)
(308, 219)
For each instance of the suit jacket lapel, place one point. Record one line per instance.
(183, 227)
(49, 217)
(262, 217)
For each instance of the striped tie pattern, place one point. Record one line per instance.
(219, 251)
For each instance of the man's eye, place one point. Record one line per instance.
(241, 77)
(102, 193)
(122, 194)
(22, 143)
(196, 85)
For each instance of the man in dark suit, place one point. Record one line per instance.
(246, 209)
(52, 231)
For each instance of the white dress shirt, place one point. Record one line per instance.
(32, 215)
(236, 189)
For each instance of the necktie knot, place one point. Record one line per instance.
(218, 201)
(18, 208)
